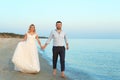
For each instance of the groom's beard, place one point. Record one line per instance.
(58, 28)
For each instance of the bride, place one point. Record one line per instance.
(25, 57)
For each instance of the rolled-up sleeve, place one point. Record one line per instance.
(50, 38)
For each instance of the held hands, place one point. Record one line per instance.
(43, 47)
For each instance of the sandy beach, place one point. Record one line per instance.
(7, 47)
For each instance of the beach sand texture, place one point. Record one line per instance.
(7, 47)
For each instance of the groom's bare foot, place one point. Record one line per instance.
(62, 74)
(54, 72)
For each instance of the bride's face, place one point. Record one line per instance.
(32, 28)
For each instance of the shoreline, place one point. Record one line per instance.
(7, 72)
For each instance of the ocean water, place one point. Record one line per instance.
(89, 59)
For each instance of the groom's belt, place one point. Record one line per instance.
(58, 46)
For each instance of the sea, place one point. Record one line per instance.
(89, 59)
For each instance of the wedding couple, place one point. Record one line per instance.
(26, 57)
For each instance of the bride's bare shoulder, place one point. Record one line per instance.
(25, 34)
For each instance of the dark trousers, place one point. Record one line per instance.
(59, 50)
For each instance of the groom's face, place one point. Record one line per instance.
(59, 26)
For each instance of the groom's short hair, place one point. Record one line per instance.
(58, 22)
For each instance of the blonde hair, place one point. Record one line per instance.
(30, 28)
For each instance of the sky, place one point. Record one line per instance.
(81, 18)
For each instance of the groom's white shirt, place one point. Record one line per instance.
(58, 38)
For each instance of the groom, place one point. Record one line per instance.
(58, 37)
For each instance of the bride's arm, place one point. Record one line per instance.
(38, 41)
(25, 37)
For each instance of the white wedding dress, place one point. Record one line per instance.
(26, 57)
